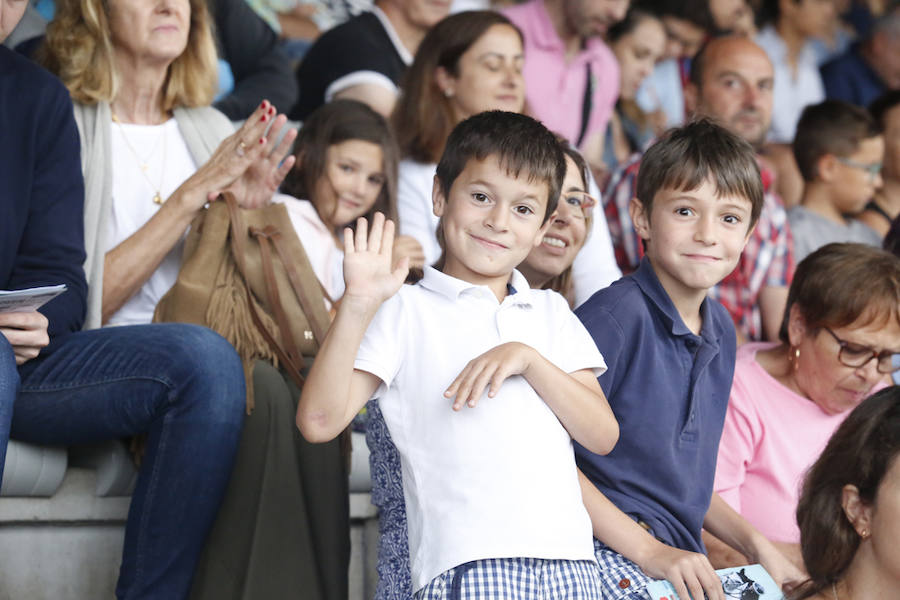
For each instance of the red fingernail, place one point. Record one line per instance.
(271, 110)
(264, 104)
(264, 118)
(262, 140)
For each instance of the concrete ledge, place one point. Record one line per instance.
(70, 545)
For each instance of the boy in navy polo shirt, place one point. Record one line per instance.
(670, 352)
(492, 494)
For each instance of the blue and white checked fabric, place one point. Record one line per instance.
(516, 579)
(620, 578)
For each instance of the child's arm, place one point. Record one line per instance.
(334, 391)
(723, 522)
(576, 399)
(686, 571)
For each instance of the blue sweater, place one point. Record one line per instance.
(41, 191)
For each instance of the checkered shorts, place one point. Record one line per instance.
(620, 578)
(516, 579)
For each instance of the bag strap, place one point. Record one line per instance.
(263, 237)
(306, 303)
(237, 250)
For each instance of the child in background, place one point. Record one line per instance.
(671, 352)
(346, 168)
(839, 150)
(491, 490)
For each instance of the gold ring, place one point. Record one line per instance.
(241, 147)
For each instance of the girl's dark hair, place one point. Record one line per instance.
(859, 453)
(892, 239)
(423, 118)
(634, 17)
(333, 123)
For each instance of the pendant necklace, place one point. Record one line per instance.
(143, 164)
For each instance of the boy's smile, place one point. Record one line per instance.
(694, 238)
(491, 221)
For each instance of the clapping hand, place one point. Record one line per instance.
(247, 163)
(368, 273)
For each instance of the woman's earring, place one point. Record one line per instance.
(795, 358)
(448, 93)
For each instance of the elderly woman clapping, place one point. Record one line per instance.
(142, 76)
(839, 338)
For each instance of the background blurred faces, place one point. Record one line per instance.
(736, 88)
(593, 17)
(637, 53)
(489, 75)
(683, 38)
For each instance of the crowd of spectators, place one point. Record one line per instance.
(342, 109)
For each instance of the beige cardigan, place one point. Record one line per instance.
(203, 129)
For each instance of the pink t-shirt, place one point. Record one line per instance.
(554, 88)
(771, 437)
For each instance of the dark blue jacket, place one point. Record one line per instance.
(41, 191)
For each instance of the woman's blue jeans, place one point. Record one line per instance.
(182, 386)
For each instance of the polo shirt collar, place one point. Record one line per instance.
(646, 279)
(405, 54)
(452, 288)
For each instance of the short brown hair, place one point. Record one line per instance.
(686, 157)
(841, 284)
(830, 127)
(79, 49)
(333, 123)
(423, 117)
(521, 145)
(859, 453)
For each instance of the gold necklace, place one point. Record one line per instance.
(142, 164)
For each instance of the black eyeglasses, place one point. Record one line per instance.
(856, 356)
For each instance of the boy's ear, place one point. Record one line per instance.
(857, 511)
(438, 201)
(826, 168)
(639, 218)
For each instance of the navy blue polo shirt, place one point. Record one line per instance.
(669, 390)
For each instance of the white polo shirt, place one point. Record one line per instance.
(497, 480)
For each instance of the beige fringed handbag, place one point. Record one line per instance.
(245, 275)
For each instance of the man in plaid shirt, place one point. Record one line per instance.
(731, 81)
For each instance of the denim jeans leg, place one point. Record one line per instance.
(183, 386)
(9, 388)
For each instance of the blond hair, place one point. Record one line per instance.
(79, 49)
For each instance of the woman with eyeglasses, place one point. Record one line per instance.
(838, 342)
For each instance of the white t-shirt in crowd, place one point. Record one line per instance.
(161, 148)
(497, 480)
(793, 91)
(325, 257)
(415, 212)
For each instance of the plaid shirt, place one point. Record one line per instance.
(767, 259)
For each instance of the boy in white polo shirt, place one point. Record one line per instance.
(492, 495)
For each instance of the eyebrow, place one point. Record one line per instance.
(735, 206)
(491, 53)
